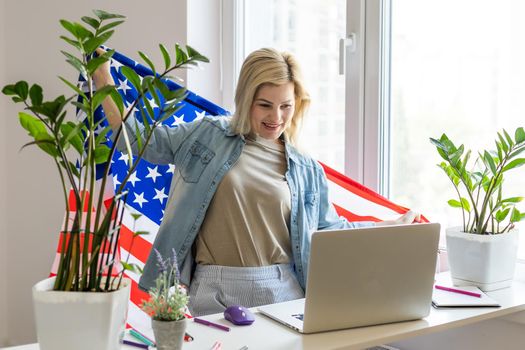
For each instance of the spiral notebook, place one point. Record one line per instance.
(446, 299)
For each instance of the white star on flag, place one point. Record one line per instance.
(123, 85)
(171, 168)
(116, 182)
(177, 120)
(139, 199)
(133, 178)
(153, 173)
(124, 157)
(115, 64)
(160, 195)
(200, 115)
(152, 103)
(99, 129)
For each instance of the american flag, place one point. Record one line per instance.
(149, 185)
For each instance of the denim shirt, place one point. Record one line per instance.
(203, 151)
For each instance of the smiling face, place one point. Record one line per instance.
(272, 110)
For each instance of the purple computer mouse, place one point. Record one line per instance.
(239, 315)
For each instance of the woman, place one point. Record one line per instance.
(243, 201)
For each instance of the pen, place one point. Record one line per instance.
(459, 291)
(141, 337)
(217, 346)
(244, 348)
(137, 345)
(211, 324)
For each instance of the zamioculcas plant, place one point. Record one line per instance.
(479, 189)
(78, 147)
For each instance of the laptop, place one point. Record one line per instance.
(364, 276)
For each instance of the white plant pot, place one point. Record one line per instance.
(486, 261)
(80, 320)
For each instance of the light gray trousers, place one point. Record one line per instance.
(214, 288)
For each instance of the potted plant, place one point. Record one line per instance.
(167, 305)
(483, 251)
(85, 305)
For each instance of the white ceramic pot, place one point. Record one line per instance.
(486, 261)
(80, 320)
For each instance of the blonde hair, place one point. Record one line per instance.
(269, 66)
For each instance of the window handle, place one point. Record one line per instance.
(344, 43)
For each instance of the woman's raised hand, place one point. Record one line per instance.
(408, 218)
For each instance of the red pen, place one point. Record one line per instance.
(459, 291)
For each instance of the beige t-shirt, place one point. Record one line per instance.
(248, 218)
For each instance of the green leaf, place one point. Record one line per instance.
(103, 15)
(46, 143)
(75, 62)
(519, 135)
(22, 89)
(454, 203)
(509, 139)
(140, 233)
(135, 216)
(195, 55)
(94, 63)
(117, 98)
(32, 124)
(512, 200)
(514, 164)
(69, 26)
(503, 143)
(72, 42)
(82, 33)
(91, 21)
(440, 148)
(166, 56)
(501, 214)
(72, 167)
(465, 203)
(35, 93)
(148, 61)
(102, 154)
(515, 216)
(455, 157)
(180, 55)
(9, 90)
(81, 106)
(490, 162)
(132, 77)
(72, 135)
(109, 26)
(153, 92)
(131, 267)
(516, 152)
(74, 87)
(100, 95)
(92, 44)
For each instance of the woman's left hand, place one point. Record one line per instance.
(408, 218)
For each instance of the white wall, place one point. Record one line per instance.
(204, 34)
(29, 226)
(3, 188)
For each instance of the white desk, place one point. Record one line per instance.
(267, 334)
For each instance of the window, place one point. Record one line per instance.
(456, 68)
